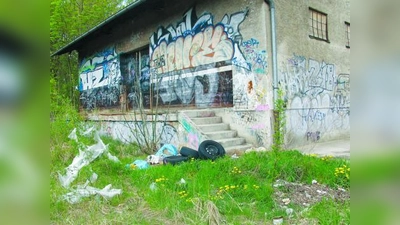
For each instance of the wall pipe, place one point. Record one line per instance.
(271, 4)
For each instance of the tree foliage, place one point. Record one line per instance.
(68, 20)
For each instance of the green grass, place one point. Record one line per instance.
(240, 188)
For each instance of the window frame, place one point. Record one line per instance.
(319, 22)
(347, 33)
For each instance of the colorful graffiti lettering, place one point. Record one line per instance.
(193, 137)
(318, 98)
(255, 59)
(197, 41)
(255, 124)
(99, 80)
(123, 131)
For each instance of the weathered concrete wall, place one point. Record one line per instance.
(217, 54)
(205, 53)
(167, 132)
(314, 74)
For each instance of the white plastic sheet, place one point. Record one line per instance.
(84, 158)
(82, 191)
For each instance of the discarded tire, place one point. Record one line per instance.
(210, 149)
(173, 160)
(189, 152)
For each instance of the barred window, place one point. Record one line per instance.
(318, 25)
(347, 33)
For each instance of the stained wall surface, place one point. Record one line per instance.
(314, 74)
(217, 54)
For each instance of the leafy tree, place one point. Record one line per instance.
(68, 20)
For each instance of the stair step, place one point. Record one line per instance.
(207, 120)
(199, 113)
(221, 134)
(213, 127)
(237, 149)
(228, 142)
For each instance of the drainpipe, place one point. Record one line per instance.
(271, 4)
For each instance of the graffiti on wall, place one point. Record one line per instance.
(193, 136)
(196, 41)
(99, 79)
(193, 59)
(211, 89)
(244, 91)
(256, 60)
(135, 71)
(318, 98)
(313, 136)
(122, 131)
(102, 69)
(255, 123)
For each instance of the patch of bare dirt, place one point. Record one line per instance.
(306, 194)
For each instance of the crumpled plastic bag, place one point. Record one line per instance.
(84, 158)
(154, 159)
(82, 191)
(167, 150)
(140, 164)
(73, 135)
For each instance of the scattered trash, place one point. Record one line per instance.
(286, 201)
(167, 150)
(234, 156)
(210, 149)
(175, 159)
(277, 221)
(306, 194)
(88, 131)
(73, 135)
(93, 178)
(182, 181)
(154, 159)
(139, 164)
(289, 212)
(112, 157)
(153, 186)
(314, 182)
(85, 191)
(189, 152)
(259, 149)
(279, 183)
(84, 158)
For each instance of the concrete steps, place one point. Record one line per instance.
(212, 126)
(207, 120)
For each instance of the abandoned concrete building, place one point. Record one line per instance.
(214, 68)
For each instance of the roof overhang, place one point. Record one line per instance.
(122, 15)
